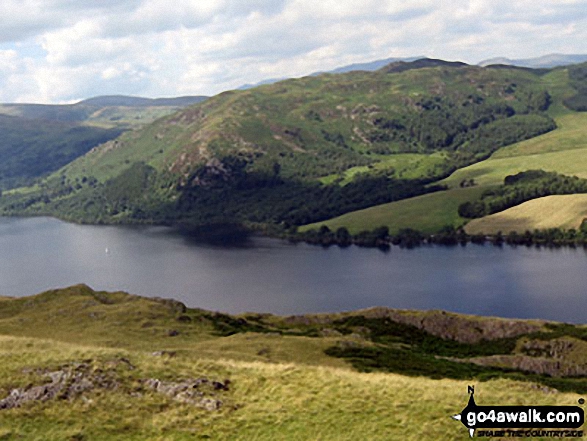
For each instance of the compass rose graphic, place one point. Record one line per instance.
(470, 406)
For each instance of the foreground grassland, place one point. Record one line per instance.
(282, 384)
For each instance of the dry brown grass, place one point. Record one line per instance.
(561, 211)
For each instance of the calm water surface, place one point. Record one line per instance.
(37, 254)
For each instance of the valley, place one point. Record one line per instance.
(38, 139)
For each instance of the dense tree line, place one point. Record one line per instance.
(380, 237)
(520, 188)
(479, 144)
(217, 193)
(129, 197)
(449, 236)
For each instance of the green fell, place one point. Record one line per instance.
(305, 150)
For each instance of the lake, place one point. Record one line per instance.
(266, 275)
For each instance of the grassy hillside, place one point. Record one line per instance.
(560, 151)
(428, 213)
(315, 125)
(563, 150)
(305, 150)
(261, 377)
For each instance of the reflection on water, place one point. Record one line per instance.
(219, 234)
(261, 274)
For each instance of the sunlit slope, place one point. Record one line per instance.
(559, 87)
(277, 385)
(561, 211)
(569, 135)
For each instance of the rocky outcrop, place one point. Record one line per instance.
(78, 379)
(174, 306)
(557, 348)
(461, 328)
(561, 357)
(193, 391)
(69, 382)
(449, 326)
(535, 365)
(213, 173)
(464, 329)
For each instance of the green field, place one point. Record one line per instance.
(426, 213)
(282, 384)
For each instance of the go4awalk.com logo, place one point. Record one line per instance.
(522, 421)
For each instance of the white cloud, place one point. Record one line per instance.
(60, 50)
(8, 60)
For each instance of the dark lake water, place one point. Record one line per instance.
(267, 275)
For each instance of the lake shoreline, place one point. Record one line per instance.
(448, 236)
(237, 233)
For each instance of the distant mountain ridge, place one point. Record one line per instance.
(545, 61)
(133, 101)
(422, 63)
(85, 110)
(369, 66)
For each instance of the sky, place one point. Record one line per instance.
(61, 51)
